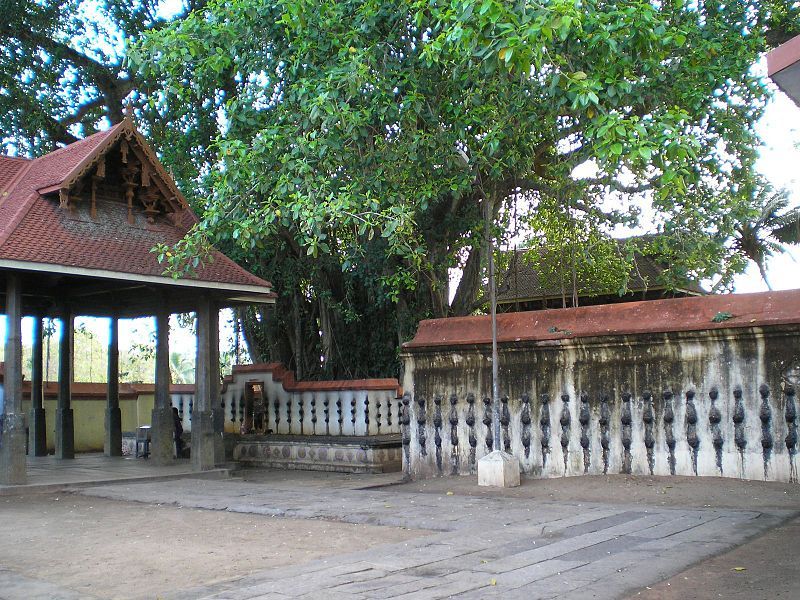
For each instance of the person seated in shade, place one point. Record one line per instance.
(178, 432)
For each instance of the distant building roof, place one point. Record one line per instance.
(783, 67)
(522, 282)
(97, 208)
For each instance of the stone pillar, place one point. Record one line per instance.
(65, 427)
(37, 430)
(207, 446)
(112, 445)
(163, 425)
(12, 419)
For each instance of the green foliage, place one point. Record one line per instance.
(352, 146)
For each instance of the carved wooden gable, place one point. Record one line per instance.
(123, 170)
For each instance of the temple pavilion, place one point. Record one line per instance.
(77, 227)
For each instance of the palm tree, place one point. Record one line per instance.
(181, 368)
(770, 231)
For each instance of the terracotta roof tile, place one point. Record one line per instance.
(33, 227)
(629, 318)
(10, 167)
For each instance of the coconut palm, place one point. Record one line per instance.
(770, 231)
(181, 368)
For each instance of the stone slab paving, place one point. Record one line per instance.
(480, 547)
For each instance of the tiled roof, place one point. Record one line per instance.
(10, 167)
(560, 325)
(523, 282)
(35, 229)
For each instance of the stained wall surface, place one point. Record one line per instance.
(717, 401)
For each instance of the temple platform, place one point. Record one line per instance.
(339, 454)
(48, 473)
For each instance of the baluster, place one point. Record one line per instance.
(405, 428)
(627, 432)
(648, 416)
(325, 403)
(566, 421)
(378, 414)
(473, 438)
(366, 414)
(302, 412)
(544, 424)
(691, 428)
(353, 413)
(421, 435)
(313, 414)
(505, 421)
(339, 414)
(584, 419)
(289, 412)
(715, 418)
(525, 419)
(765, 414)
(487, 421)
(605, 435)
(738, 424)
(790, 415)
(437, 425)
(669, 434)
(277, 405)
(453, 418)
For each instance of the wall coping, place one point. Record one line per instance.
(628, 318)
(286, 377)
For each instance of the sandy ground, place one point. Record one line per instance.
(697, 492)
(121, 547)
(762, 569)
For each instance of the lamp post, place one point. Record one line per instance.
(498, 468)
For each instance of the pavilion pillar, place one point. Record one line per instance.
(12, 419)
(37, 430)
(207, 417)
(112, 445)
(65, 425)
(163, 425)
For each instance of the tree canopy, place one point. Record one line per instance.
(347, 150)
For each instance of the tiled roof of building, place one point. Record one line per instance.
(561, 325)
(34, 228)
(523, 282)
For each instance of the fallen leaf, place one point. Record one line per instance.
(449, 493)
(493, 582)
(739, 569)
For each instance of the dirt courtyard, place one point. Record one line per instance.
(112, 549)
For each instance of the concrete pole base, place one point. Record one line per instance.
(498, 469)
(162, 436)
(37, 433)
(13, 468)
(65, 433)
(112, 445)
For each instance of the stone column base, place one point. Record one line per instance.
(498, 469)
(37, 433)
(13, 470)
(162, 436)
(112, 444)
(65, 433)
(204, 442)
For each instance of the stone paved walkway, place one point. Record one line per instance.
(480, 548)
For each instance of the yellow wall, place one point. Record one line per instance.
(89, 416)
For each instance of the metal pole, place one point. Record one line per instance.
(498, 442)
